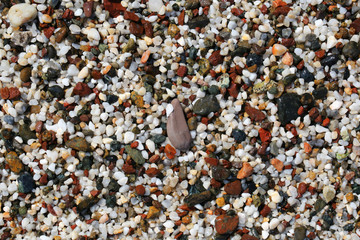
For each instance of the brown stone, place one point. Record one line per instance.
(14, 162)
(181, 17)
(177, 128)
(140, 190)
(38, 126)
(61, 34)
(233, 90)
(114, 7)
(131, 16)
(248, 237)
(182, 70)
(233, 188)
(255, 114)
(88, 8)
(149, 32)
(349, 176)
(153, 212)
(215, 58)
(82, 89)
(279, 165)
(265, 211)
(245, 171)
(25, 74)
(4, 92)
(14, 93)
(356, 25)
(282, 10)
(136, 29)
(225, 224)
(152, 172)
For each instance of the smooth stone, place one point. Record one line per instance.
(26, 183)
(206, 105)
(78, 143)
(57, 91)
(177, 128)
(25, 74)
(238, 135)
(135, 155)
(300, 233)
(198, 198)
(200, 21)
(155, 5)
(351, 50)
(329, 193)
(21, 13)
(288, 105)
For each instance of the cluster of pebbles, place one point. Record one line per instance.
(196, 119)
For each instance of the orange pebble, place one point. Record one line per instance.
(326, 122)
(170, 151)
(278, 3)
(287, 59)
(145, 56)
(307, 147)
(278, 49)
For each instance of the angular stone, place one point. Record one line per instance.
(255, 114)
(21, 38)
(78, 143)
(88, 6)
(288, 105)
(233, 188)
(177, 129)
(135, 155)
(26, 183)
(300, 233)
(219, 173)
(200, 21)
(206, 105)
(14, 162)
(329, 193)
(198, 198)
(26, 133)
(245, 171)
(225, 224)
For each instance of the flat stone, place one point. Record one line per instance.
(78, 143)
(225, 224)
(255, 114)
(177, 129)
(300, 233)
(288, 105)
(329, 193)
(198, 198)
(200, 21)
(26, 183)
(135, 155)
(206, 105)
(233, 188)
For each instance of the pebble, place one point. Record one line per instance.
(288, 105)
(14, 162)
(329, 193)
(233, 188)
(177, 129)
(245, 171)
(21, 13)
(225, 224)
(25, 74)
(135, 155)
(26, 183)
(206, 105)
(155, 5)
(78, 143)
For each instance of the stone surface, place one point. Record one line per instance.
(14, 162)
(219, 173)
(153, 212)
(26, 133)
(288, 105)
(78, 143)
(225, 224)
(245, 171)
(200, 21)
(21, 13)
(177, 129)
(82, 89)
(21, 38)
(26, 183)
(233, 188)
(206, 105)
(198, 198)
(25, 74)
(329, 193)
(255, 114)
(135, 155)
(300, 233)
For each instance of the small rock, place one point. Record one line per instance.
(300, 233)
(88, 6)
(245, 171)
(233, 188)
(78, 143)
(278, 49)
(255, 114)
(173, 30)
(25, 74)
(215, 58)
(356, 25)
(279, 165)
(288, 105)
(238, 135)
(198, 198)
(329, 193)
(14, 162)
(136, 29)
(82, 89)
(351, 50)
(26, 183)
(320, 92)
(140, 190)
(153, 212)
(192, 4)
(192, 123)
(206, 105)
(57, 91)
(330, 60)
(306, 75)
(61, 34)
(21, 13)
(21, 38)
(225, 224)
(177, 129)
(135, 155)
(25, 133)
(204, 66)
(200, 21)
(219, 173)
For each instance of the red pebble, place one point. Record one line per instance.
(82, 89)
(265, 135)
(140, 190)
(182, 71)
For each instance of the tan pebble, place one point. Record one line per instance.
(278, 49)
(287, 59)
(104, 218)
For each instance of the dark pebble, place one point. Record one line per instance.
(206, 105)
(115, 146)
(9, 119)
(198, 198)
(52, 74)
(320, 92)
(200, 21)
(112, 99)
(26, 183)
(306, 75)
(57, 91)
(288, 105)
(220, 173)
(329, 60)
(158, 138)
(253, 59)
(351, 50)
(238, 135)
(51, 52)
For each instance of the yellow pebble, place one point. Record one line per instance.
(349, 197)
(220, 201)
